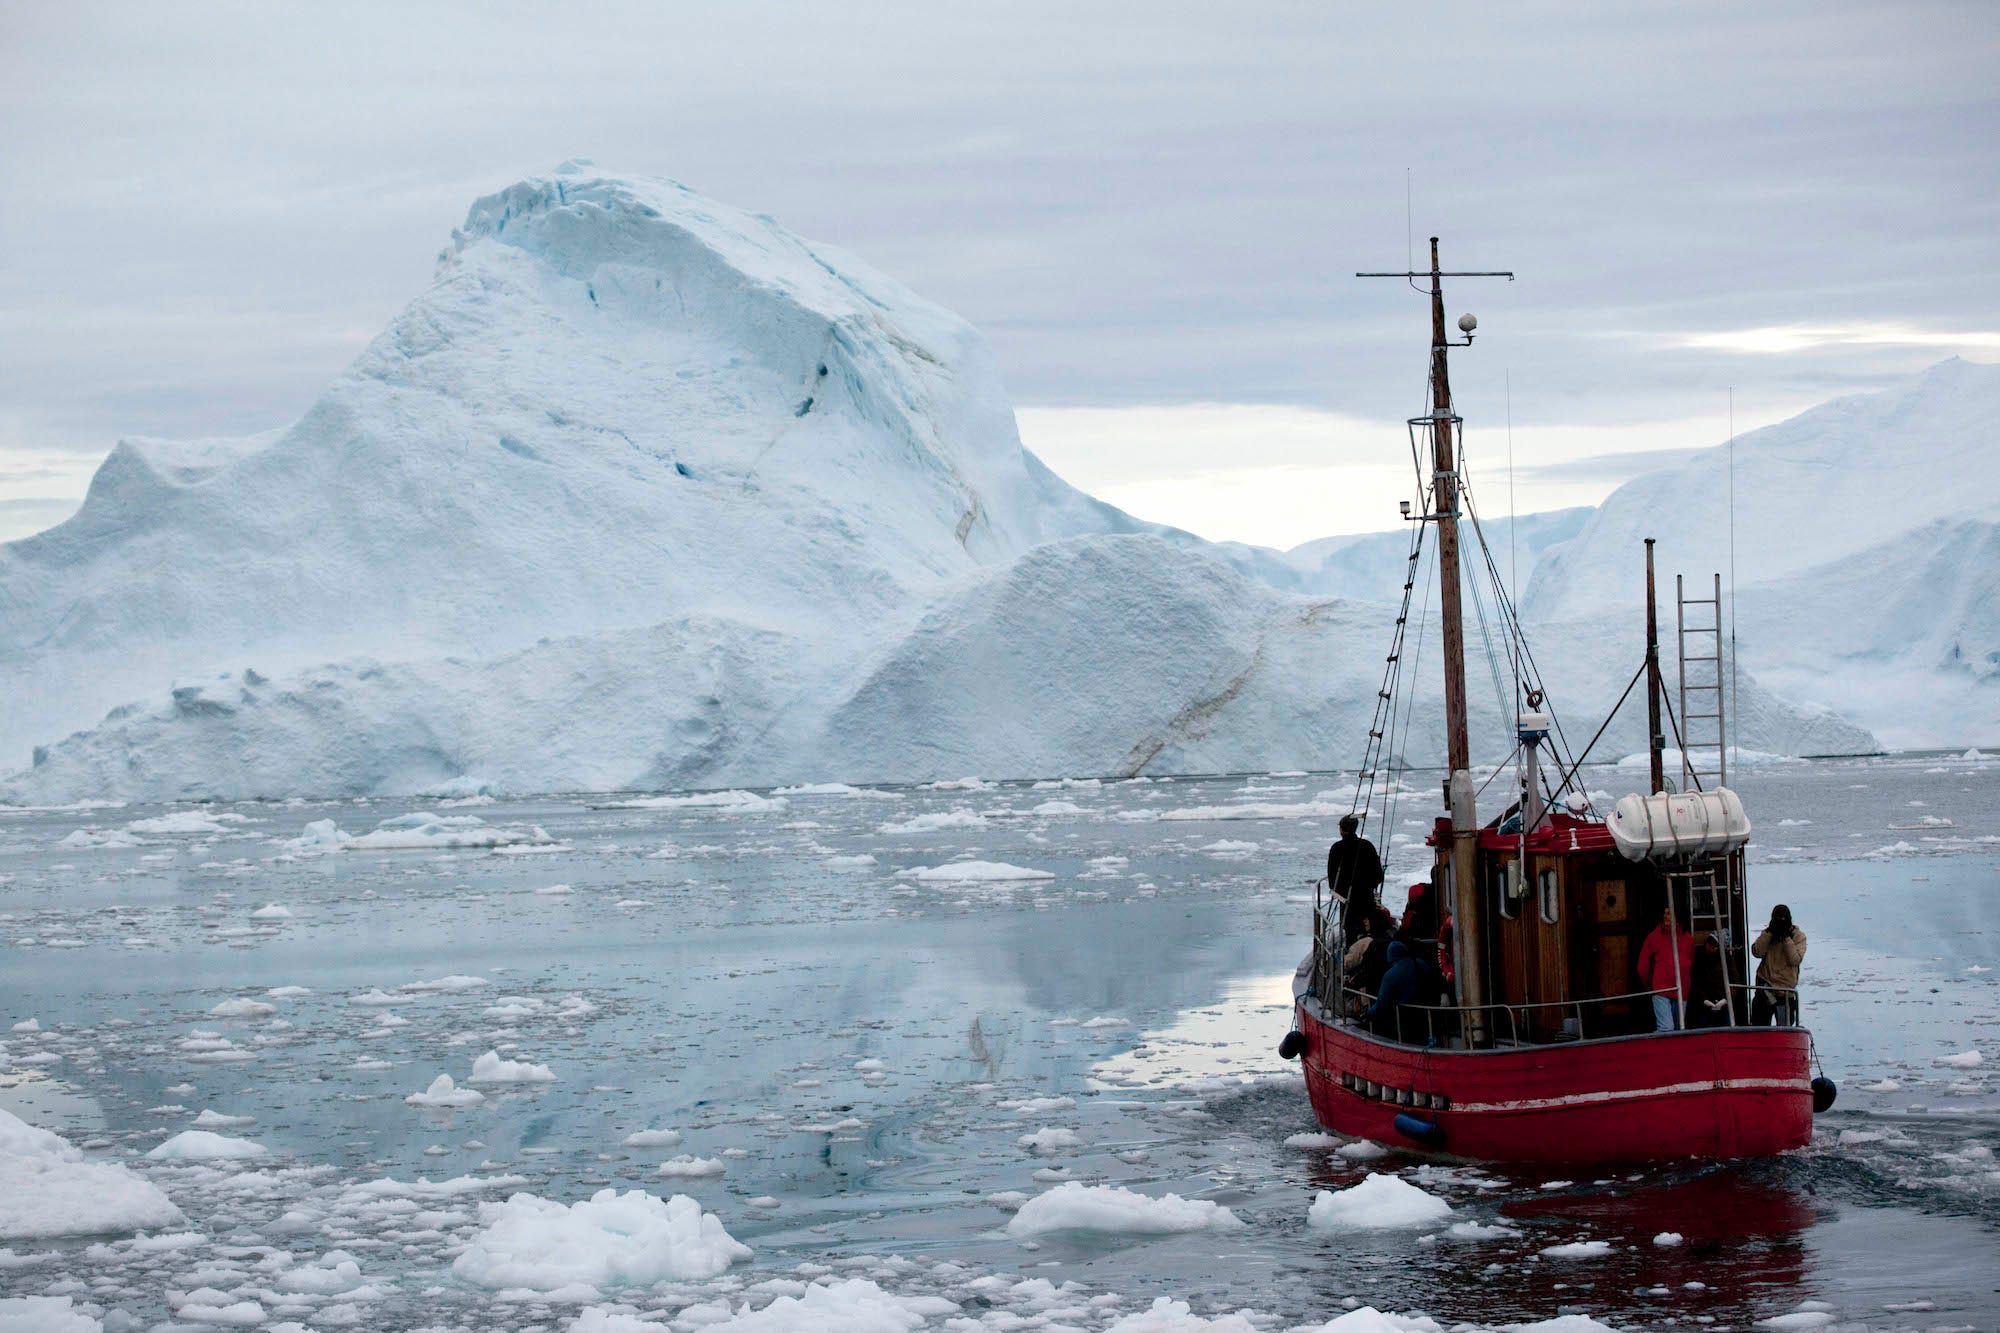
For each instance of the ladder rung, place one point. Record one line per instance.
(1701, 629)
(1699, 601)
(1711, 657)
(1698, 717)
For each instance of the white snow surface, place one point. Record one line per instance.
(613, 1238)
(647, 493)
(48, 1189)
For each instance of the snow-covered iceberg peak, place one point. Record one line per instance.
(619, 402)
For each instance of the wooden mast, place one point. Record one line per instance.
(1656, 741)
(1468, 927)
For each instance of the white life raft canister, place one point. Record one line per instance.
(1691, 823)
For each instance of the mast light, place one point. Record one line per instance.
(1467, 323)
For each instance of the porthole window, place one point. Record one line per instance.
(1546, 890)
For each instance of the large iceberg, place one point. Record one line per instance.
(646, 491)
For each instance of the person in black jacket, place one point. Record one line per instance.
(1353, 874)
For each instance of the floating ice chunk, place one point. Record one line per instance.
(853, 862)
(271, 912)
(599, 1319)
(28, 1025)
(1380, 1201)
(1039, 1105)
(1230, 847)
(288, 992)
(1048, 1140)
(554, 890)
(855, 1305)
(213, 1119)
(336, 1272)
(1051, 808)
(1314, 1141)
(235, 1314)
(425, 829)
(48, 1189)
(653, 1138)
(490, 1068)
(1478, 1231)
(451, 983)
(611, 1239)
(959, 784)
(242, 1008)
(44, 1314)
(1567, 1323)
(200, 1145)
(689, 1166)
(1797, 1321)
(88, 839)
(1072, 1206)
(730, 802)
(972, 872)
(444, 1092)
(1668, 1239)
(1362, 1150)
(375, 997)
(1579, 1249)
(1882, 1085)
(317, 838)
(1963, 1060)
(932, 821)
(1171, 1316)
(184, 822)
(1260, 810)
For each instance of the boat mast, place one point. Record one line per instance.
(1656, 741)
(1468, 929)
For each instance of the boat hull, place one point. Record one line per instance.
(1708, 1093)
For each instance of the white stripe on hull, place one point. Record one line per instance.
(1800, 1086)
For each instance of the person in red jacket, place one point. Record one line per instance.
(1666, 968)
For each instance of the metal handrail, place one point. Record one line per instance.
(1516, 1014)
(1786, 1001)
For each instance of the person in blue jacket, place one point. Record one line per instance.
(1404, 983)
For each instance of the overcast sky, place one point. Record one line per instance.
(1153, 210)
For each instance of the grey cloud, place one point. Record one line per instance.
(1157, 203)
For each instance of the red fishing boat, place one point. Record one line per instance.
(1542, 1046)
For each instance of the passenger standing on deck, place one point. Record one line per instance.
(1353, 874)
(1782, 946)
(1666, 968)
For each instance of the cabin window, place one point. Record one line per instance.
(1506, 880)
(1545, 884)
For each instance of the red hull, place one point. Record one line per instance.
(1706, 1093)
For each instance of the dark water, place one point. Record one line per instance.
(730, 988)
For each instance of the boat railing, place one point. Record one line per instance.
(1512, 1024)
(1782, 1002)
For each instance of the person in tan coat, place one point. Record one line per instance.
(1782, 947)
